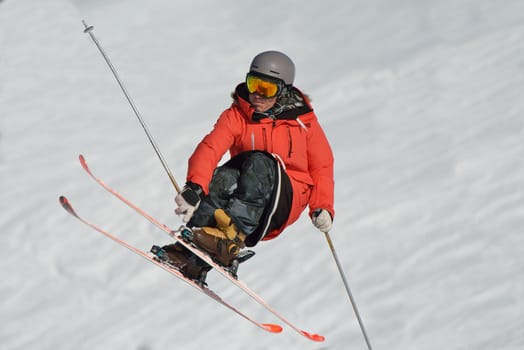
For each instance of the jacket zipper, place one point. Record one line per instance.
(290, 142)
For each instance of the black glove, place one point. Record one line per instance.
(188, 200)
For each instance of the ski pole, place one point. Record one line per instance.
(353, 304)
(89, 30)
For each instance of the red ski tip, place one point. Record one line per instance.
(314, 337)
(273, 328)
(83, 162)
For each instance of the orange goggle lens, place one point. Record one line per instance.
(262, 87)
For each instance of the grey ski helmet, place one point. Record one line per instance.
(274, 64)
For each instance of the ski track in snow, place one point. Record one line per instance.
(422, 104)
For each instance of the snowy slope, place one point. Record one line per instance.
(422, 102)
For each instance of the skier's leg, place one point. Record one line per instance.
(238, 195)
(254, 191)
(222, 186)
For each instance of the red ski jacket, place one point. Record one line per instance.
(298, 141)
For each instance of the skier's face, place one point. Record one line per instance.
(260, 103)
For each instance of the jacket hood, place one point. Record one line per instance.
(291, 105)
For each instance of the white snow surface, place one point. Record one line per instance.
(422, 101)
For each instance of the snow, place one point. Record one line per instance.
(421, 101)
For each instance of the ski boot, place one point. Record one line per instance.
(179, 257)
(223, 242)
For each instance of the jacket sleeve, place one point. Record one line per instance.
(210, 150)
(321, 170)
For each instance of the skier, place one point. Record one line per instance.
(280, 163)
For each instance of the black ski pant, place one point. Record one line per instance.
(254, 191)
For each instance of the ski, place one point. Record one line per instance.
(273, 328)
(202, 255)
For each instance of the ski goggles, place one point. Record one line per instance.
(263, 86)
